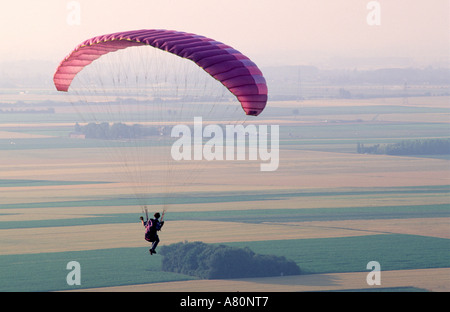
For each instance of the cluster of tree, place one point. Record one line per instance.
(116, 131)
(209, 261)
(408, 147)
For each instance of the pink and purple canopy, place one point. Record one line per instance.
(233, 69)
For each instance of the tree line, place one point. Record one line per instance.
(116, 131)
(209, 261)
(408, 147)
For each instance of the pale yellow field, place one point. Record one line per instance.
(89, 237)
(429, 279)
(297, 170)
(433, 227)
(18, 135)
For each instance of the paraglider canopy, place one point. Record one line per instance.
(233, 69)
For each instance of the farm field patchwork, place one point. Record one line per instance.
(328, 208)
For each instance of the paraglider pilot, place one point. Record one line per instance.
(152, 226)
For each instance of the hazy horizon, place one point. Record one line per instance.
(322, 33)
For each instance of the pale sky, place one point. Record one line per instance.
(281, 32)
